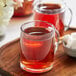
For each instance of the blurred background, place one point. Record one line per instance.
(20, 15)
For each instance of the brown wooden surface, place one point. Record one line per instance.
(9, 61)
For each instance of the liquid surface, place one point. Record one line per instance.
(36, 31)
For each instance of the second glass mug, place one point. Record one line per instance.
(38, 45)
(53, 11)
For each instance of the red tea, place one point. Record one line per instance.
(25, 10)
(51, 13)
(37, 53)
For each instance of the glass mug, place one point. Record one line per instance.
(25, 10)
(52, 11)
(38, 45)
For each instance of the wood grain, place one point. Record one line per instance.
(9, 61)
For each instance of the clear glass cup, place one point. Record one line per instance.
(25, 10)
(38, 46)
(53, 11)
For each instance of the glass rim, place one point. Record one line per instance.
(52, 11)
(53, 28)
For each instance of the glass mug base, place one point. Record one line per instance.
(36, 70)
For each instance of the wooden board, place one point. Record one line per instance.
(9, 61)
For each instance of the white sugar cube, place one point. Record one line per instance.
(73, 35)
(66, 37)
(73, 44)
(70, 40)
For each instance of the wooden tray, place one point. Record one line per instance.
(9, 61)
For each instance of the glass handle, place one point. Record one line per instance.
(67, 27)
(57, 35)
